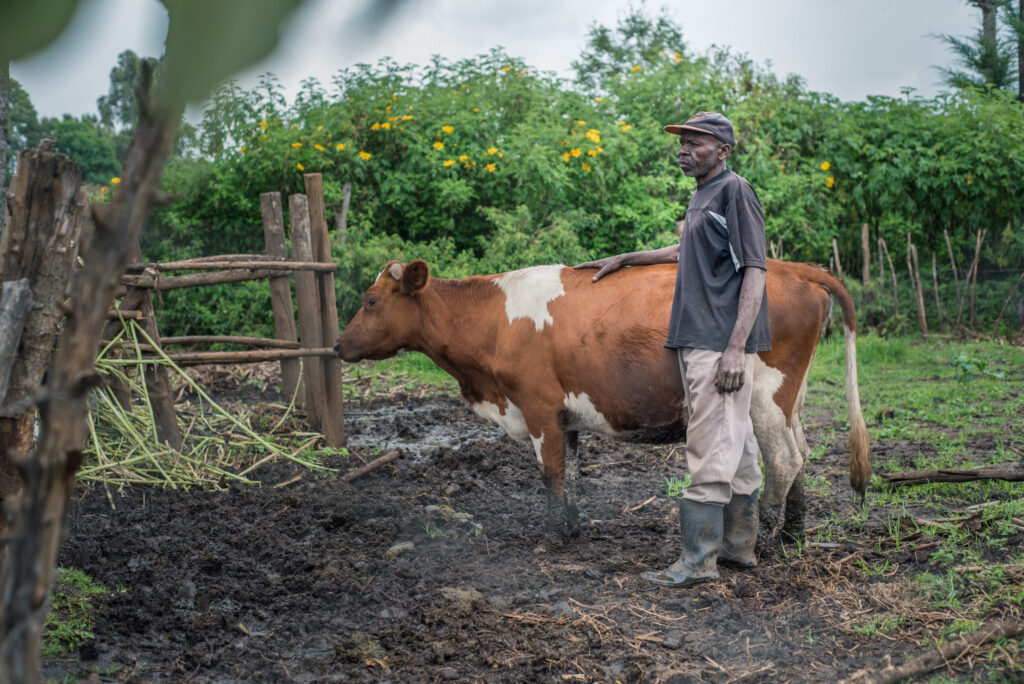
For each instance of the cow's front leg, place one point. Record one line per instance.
(558, 454)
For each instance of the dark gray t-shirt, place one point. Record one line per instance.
(723, 233)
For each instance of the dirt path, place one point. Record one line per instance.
(437, 568)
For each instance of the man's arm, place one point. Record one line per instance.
(665, 255)
(731, 366)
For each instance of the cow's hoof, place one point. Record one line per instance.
(793, 525)
(563, 521)
(768, 532)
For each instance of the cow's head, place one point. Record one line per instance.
(390, 317)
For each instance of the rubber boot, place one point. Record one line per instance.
(739, 535)
(701, 527)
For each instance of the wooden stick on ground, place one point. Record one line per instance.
(372, 465)
(1011, 472)
(937, 657)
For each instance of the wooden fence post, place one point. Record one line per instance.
(281, 294)
(956, 278)
(308, 297)
(935, 283)
(865, 248)
(839, 266)
(892, 273)
(334, 417)
(915, 286)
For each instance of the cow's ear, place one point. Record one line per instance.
(415, 276)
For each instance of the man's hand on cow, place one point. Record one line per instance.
(730, 370)
(605, 266)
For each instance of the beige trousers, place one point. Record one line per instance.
(721, 451)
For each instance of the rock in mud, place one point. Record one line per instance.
(400, 547)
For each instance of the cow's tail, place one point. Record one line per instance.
(860, 445)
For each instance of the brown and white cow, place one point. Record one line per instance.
(547, 353)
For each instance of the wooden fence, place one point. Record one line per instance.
(309, 369)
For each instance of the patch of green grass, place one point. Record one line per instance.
(408, 371)
(878, 624)
(675, 487)
(73, 608)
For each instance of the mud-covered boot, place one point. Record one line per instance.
(739, 532)
(701, 527)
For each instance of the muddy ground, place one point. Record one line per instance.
(438, 568)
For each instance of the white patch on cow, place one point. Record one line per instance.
(538, 445)
(583, 415)
(779, 451)
(528, 292)
(511, 420)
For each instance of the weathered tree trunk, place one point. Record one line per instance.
(40, 513)
(341, 218)
(334, 416)
(281, 294)
(308, 297)
(915, 286)
(38, 245)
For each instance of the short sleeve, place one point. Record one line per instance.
(746, 228)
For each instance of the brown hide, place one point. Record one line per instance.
(599, 355)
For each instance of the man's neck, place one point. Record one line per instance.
(712, 174)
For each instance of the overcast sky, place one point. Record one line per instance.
(850, 49)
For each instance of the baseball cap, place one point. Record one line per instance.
(707, 122)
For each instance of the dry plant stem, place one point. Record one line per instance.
(372, 465)
(938, 657)
(956, 277)
(935, 283)
(1011, 472)
(892, 272)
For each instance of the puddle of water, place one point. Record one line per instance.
(417, 430)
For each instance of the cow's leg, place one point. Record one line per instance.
(779, 451)
(558, 455)
(796, 505)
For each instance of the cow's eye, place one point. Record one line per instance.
(371, 301)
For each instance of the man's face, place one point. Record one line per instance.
(700, 153)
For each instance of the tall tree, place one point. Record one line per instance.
(1014, 18)
(119, 108)
(984, 59)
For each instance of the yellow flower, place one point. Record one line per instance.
(492, 150)
(103, 190)
(375, 126)
(263, 124)
(593, 134)
(501, 155)
(339, 146)
(263, 137)
(575, 151)
(296, 145)
(407, 117)
(449, 162)
(463, 157)
(476, 109)
(448, 129)
(830, 181)
(319, 128)
(585, 166)
(970, 180)
(565, 157)
(319, 147)
(825, 166)
(591, 153)
(505, 68)
(438, 145)
(626, 127)
(242, 150)
(364, 155)
(581, 123)
(636, 68)
(598, 99)
(490, 168)
(300, 167)
(386, 125)
(115, 180)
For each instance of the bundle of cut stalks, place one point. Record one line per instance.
(218, 447)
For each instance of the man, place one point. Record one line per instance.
(719, 322)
